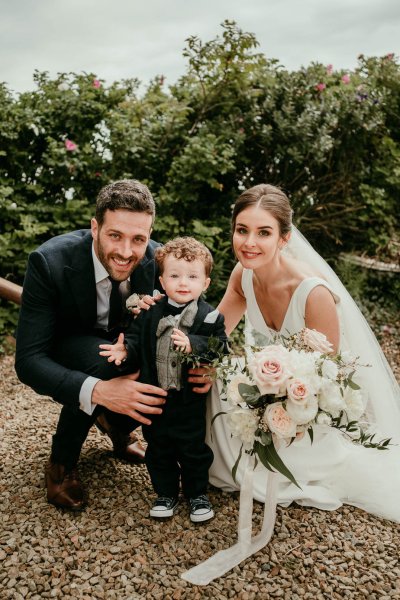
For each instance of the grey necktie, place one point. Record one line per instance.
(115, 312)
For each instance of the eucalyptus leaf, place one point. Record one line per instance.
(235, 466)
(272, 461)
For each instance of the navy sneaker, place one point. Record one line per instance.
(200, 509)
(163, 506)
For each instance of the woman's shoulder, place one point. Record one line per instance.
(308, 283)
(236, 278)
(298, 271)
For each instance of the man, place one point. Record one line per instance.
(74, 290)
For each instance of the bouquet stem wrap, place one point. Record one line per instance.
(224, 560)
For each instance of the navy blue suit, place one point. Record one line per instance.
(176, 438)
(57, 343)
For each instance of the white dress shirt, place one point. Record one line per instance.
(103, 291)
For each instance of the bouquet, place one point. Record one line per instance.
(287, 387)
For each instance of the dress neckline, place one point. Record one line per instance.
(261, 316)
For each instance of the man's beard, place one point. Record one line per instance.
(106, 262)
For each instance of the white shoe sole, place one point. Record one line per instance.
(163, 514)
(202, 517)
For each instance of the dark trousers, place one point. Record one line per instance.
(176, 448)
(81, 352)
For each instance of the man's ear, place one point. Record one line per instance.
(94, 226)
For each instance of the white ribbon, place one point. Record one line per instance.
(224, 560)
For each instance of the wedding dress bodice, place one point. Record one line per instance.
(294, 318)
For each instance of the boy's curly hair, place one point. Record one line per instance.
(186, 248)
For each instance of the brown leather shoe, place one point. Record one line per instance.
(126, 445)
(64, 488)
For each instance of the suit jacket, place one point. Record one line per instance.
(59, 299)
(141, 341)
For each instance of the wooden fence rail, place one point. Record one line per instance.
(10, 291)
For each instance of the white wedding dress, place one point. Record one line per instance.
(332, 470)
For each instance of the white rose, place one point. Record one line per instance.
(279, 421)
(316, 341)
(329, 369)
(304, 367)
(330, 399)
(354, 404)
(270, 369)
(346, 356)
(243, 423)
(232, 390)
(302, 412)
(323, 419)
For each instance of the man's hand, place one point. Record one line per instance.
(129, 397)
(115, 352)
(203, 376)
(147, 301)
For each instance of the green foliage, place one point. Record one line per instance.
(233, 120)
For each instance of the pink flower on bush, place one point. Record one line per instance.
(346, 78)
(329, 69)
(96, 84)
(390, 56)
(70, 145)
(320, 87)
(270, 369)
(279, 421)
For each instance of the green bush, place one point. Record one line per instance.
(329, 138)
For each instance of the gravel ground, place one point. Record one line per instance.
(112, 550)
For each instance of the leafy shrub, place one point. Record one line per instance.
(329, 138)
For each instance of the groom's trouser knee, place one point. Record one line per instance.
(81, 353)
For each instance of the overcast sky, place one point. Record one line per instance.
(118, 39)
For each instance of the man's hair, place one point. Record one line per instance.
(186, 248)
(126, 194)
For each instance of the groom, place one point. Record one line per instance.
(74, 292)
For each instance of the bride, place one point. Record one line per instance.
(283, 285)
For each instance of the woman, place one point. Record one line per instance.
(282, 294)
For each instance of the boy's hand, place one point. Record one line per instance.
(116, 352)
(181, 340)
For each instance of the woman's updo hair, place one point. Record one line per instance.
(269, 198)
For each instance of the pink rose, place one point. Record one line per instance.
(279, 421)
(316, 341)
(96, 84)
(320, 87)
(329, 69)
(270, 369)
(346, 78)
(70, 146)
(302, 405)
(390, 56)
(297, 391)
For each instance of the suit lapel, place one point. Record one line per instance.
(142, 278)
(156, 313)
(80, 276)
(202, 312)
